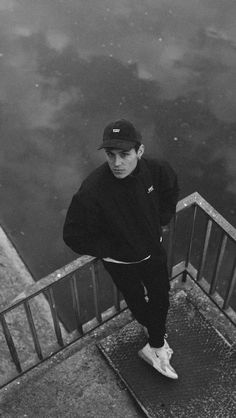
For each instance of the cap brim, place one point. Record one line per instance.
(118, 144)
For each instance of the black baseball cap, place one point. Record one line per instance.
(120, 134)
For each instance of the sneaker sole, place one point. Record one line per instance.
(145, 358)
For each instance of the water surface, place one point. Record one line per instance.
(70, 67)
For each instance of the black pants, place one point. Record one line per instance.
(132, 279)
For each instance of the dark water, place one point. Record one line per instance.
(69, 67)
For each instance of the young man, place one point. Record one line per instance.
(117, 216)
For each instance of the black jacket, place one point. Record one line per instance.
(122, 218)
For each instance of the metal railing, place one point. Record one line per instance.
(71, 274)
(224, 245)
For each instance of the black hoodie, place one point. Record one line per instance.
(122, 218)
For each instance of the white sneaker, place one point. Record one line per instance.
(159, 359)
(166, 345)
(168, 349)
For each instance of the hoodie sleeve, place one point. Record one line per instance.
(168, 193)
(83, 229)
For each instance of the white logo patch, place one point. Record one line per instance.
(115, 130)
(150, 189)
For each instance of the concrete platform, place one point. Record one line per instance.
(75, 383)
(15, 278)
(78, 382)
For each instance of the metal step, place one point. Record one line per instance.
(205, 363)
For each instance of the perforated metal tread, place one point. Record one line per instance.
(206, 366)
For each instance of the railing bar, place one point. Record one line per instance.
(170, 255)
(10, 344)
(95, 293)
(116, 298)
(217, 218)
(76, 303)
(218, 224)
(205, 248)
(231, 286)
(56, 324)
(33, 330)
(43, 288)
(220, 256)
(191, 236)
(84, 261)
(196, 198)
(65, 274)
(212, 298)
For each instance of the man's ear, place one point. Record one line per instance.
(140, 151)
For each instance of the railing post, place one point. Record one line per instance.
(76, 304)
(189, 251)
(10, 344)
(116, 297)
(205, 248)
(231, 286)
(220, 256)
(53, 308)
(33, 330)
(170, 252)
(93, 270)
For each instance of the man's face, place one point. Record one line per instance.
(121, 162)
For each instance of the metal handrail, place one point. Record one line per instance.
(69, 272)
(228, 233)
(196, 199)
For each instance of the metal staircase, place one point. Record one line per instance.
(201, 250)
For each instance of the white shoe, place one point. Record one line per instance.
(168, 349)
(159, 359)
(166, 345)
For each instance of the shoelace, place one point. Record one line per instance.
(169, 351)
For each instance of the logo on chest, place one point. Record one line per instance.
(150, 189)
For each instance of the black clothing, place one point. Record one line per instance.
(130, 280)
(122, 218)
